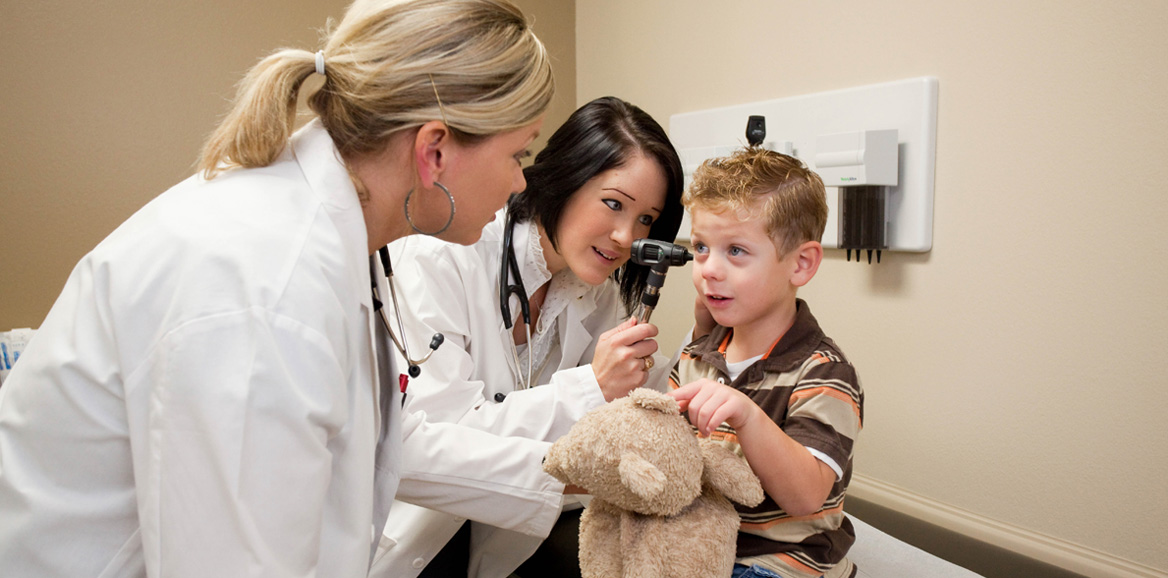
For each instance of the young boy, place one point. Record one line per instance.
(765, 379)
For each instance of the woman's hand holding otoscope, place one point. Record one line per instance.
(624, 354)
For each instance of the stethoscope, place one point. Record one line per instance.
(402, 347)
(509, 267)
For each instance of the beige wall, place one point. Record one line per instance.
(1015, 374)
(554, 22)
(106, 104)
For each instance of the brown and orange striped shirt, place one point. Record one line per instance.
(812, 392)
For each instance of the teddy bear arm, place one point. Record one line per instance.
(600, 547)
(699, 542)
(729, 474)
(648, 546)
(705, 538)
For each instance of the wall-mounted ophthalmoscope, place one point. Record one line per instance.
(659, 256)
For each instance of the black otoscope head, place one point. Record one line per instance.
(653, 252)
(660, 256)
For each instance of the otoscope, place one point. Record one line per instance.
(660, 256)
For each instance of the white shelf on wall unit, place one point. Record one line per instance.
(794, 123)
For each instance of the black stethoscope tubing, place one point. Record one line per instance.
(509, 267)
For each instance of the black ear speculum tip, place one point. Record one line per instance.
(415, 371)
(437, 340)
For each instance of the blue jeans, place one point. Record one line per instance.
(755, 571)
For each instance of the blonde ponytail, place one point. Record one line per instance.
(257, 128)
(388, 64)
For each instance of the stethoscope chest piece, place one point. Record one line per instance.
(414, 369)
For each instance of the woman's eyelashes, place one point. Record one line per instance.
(519, 156)
(615, 205)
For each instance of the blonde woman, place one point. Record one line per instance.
(205, 397)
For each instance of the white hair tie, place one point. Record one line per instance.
(320, 62)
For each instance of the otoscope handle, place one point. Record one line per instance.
(645, 308)
(652, 292)
(643, 313)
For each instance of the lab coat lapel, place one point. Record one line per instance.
(577, 338)
(387, 399)
(386, 474)
(326, 174)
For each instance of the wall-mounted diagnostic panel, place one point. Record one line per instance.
(874, 146)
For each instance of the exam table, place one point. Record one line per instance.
(878, 555)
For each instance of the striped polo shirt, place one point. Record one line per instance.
(807, 386)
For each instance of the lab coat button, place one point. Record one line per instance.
(419, 563)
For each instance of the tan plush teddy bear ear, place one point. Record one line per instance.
(650, 399)
(640, 476)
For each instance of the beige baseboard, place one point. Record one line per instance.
(1036, 545)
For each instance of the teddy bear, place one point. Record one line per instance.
(660, 495)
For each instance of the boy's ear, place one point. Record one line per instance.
(808, 256)
(429, 146)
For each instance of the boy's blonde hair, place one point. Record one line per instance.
(760, 183)
(389, 65)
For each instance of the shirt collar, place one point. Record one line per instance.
(788, 352)
(529, 255)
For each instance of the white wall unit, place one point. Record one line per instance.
(793, 124)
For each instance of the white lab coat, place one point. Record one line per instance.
(202, 399)
(454, 290)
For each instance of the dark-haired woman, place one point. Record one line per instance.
(608, 176)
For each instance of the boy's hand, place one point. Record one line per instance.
(710, 403)
(797, 481)
(619, 362)
(703, 319)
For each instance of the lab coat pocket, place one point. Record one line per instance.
(128, 561)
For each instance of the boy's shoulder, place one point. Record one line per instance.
(811, 351)
(803, 352)
(804, 341)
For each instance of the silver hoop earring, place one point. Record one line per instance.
(449, 220)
